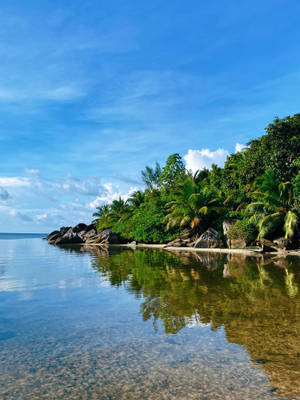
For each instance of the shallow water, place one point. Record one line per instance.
(146, 324)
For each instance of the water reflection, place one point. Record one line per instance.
(255, 299)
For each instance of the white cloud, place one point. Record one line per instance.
(33, 201)
(111, 193)
(8, 210)
(239, 147)
(199, 159)
(14, 181)
(41, 217)
(32, 171)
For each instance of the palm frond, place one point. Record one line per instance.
(252, 207)
(290, 224)
(203, 210)
(269, 224)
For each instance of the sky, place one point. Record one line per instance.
(92, 91)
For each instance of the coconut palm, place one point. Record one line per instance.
(118, 210)
(101, 213)
(150, 176)
(274, 207)
(192, 205)
(136, 199)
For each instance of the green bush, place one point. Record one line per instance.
(146, 225)
(243, 229)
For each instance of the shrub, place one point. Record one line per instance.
(243, 229)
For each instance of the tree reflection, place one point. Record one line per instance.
(255, 299)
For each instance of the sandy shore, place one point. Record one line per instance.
(249, 252)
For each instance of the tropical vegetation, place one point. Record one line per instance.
(258, 190)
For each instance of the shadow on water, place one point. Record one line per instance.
(255, 299)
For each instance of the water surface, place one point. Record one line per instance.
(146, 324)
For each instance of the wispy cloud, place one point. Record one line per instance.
(14, 181)
(62, 93)
(54, 202)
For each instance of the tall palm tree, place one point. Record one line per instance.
(150, 176)
(102, 212)
(109, 214)
(118, 210)
(274, 207)
(192, 205)
(136, 199)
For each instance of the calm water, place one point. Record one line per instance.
(79, 324)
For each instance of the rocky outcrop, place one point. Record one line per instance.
(209, 239)
(281, 243)
(83, 233)
(69, 237)
(226, 226)
(269, 246)
(106, 236)
(186, 239)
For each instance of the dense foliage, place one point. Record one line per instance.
(258, 186)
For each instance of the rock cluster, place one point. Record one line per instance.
(88, 235)
(208, 239)
(82, 233)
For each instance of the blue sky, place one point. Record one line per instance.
(92, 91)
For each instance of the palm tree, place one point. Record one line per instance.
(192, 205)
(102, 211)
(150, 176)
(108, 214)
(136, 199)
(118, 210)
(274, 207)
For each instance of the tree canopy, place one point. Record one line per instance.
(259, 186)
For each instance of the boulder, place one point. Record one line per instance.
(226, 226)
(186, 239)
(106, 236)
(267, 246)
(86, 235)
(52, 236)
(64, 229)
(79, 228)
(82, 233)
(70, 237)
(56, 236)
(237, 243)
(209, 239)
(281, 243)
(178, 242)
